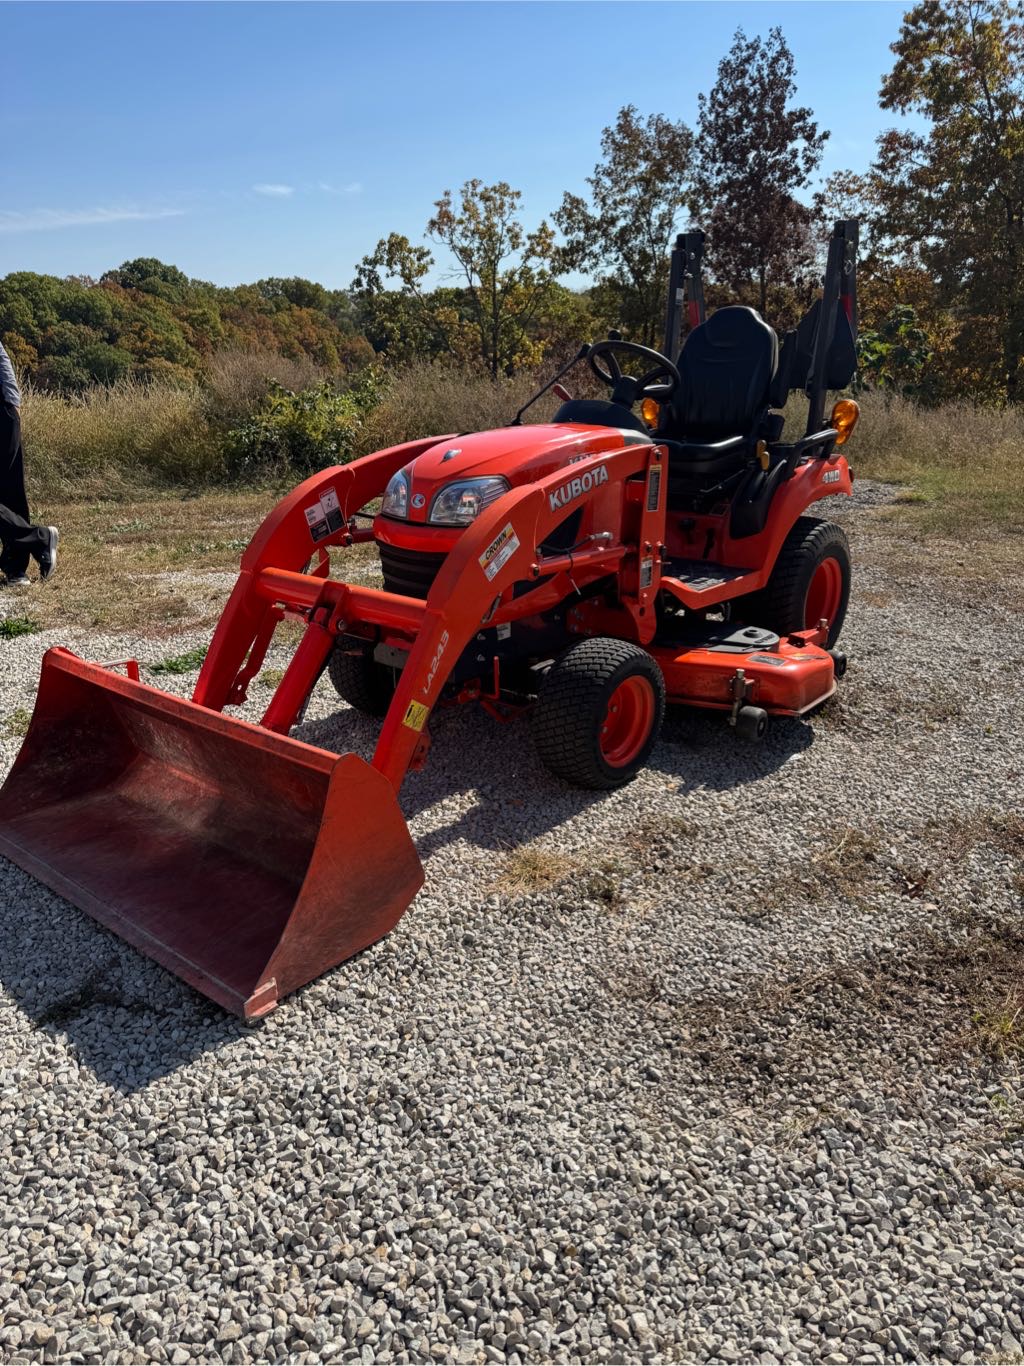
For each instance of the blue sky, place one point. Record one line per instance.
(245, 140)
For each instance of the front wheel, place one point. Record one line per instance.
(361, 682)
(810, 582)
(599, 712)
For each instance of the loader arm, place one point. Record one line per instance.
(473, 586)
(233, 853)
(285, 541)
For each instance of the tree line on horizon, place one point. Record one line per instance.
(942, 261)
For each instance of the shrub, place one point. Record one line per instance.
(303, 431)
(434, 399)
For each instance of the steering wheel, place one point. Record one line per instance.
(643, 387)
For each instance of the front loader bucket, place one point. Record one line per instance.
(246, 862)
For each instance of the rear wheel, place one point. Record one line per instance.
(810, 582)
(361, 682)
(599, 712)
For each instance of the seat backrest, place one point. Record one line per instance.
(726, 369)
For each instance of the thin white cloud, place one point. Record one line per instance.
(42, 220)
(353, 187)
(275, 191)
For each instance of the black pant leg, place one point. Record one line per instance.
(20, 539)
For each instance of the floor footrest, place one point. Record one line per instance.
(700, 575)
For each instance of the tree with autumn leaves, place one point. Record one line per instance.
(946, 205)
(942, 265)
(755, 152)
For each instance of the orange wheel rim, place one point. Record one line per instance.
(627, 722)
(824, 594)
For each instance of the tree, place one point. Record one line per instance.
(951, 200)
(506, 271)
(150, 276)
(406, 321)
(754, 152)
(638, 190)
(294, 290)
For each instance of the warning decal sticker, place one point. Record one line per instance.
(774, 660)
(654, 488)
(324, 517)
(500, 551)
(415, 716)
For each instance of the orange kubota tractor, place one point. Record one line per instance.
(590, 569)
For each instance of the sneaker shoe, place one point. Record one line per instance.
(48, 559)
(19, 581)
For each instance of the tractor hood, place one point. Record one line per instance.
(518, 454)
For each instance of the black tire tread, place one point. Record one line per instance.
(779, 605)
(573, 690)
(361, 682)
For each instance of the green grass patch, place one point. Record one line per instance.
(10, 627)
(17, 723)
(180, 664)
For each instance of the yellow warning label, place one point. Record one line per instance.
(415, 716)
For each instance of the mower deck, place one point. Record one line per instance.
(724, 673)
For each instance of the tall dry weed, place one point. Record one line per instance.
(238, 379)
(129, 435)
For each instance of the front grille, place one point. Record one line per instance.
(409, 572)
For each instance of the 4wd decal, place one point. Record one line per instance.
(831, 477)
(575, 488)
(500, 551)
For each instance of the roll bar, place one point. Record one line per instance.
(685, 290)
(839, 292)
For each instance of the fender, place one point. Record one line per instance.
(809, 482)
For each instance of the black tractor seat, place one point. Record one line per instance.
(726, 368)
(703, 460)
(713, 422)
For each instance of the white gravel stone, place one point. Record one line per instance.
(721, 1102)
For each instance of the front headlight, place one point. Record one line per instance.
(461, 502)
(396, 496)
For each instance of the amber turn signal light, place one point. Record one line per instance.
(650, 411)
(844, 419)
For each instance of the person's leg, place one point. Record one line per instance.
(14, 522)
(19, 538)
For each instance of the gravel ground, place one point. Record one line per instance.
(721, 1067)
